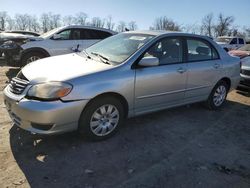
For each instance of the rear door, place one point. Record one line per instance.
(164, 85)
(204, 67)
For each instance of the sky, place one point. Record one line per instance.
(143, 12)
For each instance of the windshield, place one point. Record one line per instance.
(47, 34)
(226, 40)
(118, 48)
(245, 47)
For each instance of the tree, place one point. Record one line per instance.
(97, 22)
(132, 26)
(165, 23)
(3, 20)
(22, 21)
(11, 23)
(223, 25)
(109, 23)
(54, 21)
(69, 20)
(121, 26)
(45, 22)
(81, 18)
(207, 24)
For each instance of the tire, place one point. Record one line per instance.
(96, 123)
(32, 56)
(218, 96)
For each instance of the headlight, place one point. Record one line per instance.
(9, 45)
(50, 90)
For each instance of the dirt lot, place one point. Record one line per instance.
(188, 146)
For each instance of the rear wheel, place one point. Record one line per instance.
(218, 96)
(101, 118)
(32, 56)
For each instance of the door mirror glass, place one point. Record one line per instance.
(149, 61)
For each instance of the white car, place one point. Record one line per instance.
(62, 40)
(230, 43)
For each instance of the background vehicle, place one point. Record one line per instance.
(229, 43)
(58, 41)
(244, 54)
(126, 75)
(30, 33)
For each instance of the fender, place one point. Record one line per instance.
(35, 49)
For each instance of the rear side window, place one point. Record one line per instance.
(233, 41)
(90, 34)
(199, 50)
(241, 41)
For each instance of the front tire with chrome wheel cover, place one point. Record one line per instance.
(101, 118)
(218, 95)
(32, 56)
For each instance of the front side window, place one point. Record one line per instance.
(65, 35)
(120, 47)
(168, 51)
(199, 50)
(233, 41)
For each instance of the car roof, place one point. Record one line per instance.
(88, 27)
(164, 32)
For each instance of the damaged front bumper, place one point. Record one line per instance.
(11, 52)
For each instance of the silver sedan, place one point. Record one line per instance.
(126, 75)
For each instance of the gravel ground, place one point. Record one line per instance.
(187, 146)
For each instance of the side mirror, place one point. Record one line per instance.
(149, 61)
(56, 37)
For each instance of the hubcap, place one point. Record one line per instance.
(32, 58)
(104, 120)
(219, 95)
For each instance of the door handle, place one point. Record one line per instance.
(181, 70)
(216, 65)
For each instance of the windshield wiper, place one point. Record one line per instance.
(102, 58)
(88, 56)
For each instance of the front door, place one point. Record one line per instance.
(161, 86)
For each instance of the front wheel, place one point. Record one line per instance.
(101, 118)
(218, 96)
(31, 56)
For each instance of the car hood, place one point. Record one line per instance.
(62, 68)
(14, 36)
(246, 62)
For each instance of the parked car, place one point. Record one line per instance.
(230, 43)
(58, 41)
(125, 75)
(244, 54)
(30, 33)
(15, 39)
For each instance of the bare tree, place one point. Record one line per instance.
(69, 20)
(223, 25)
(192, 28)
(22, 21)
(165, 23)
(97, 22)
(54, 21)
(207, 24)
(121, 27)
(132, 25)
(109, 23)
(3, 20)
(81, 18)
(11, 23)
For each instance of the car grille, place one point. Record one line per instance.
(245, 72)
(18, 84)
